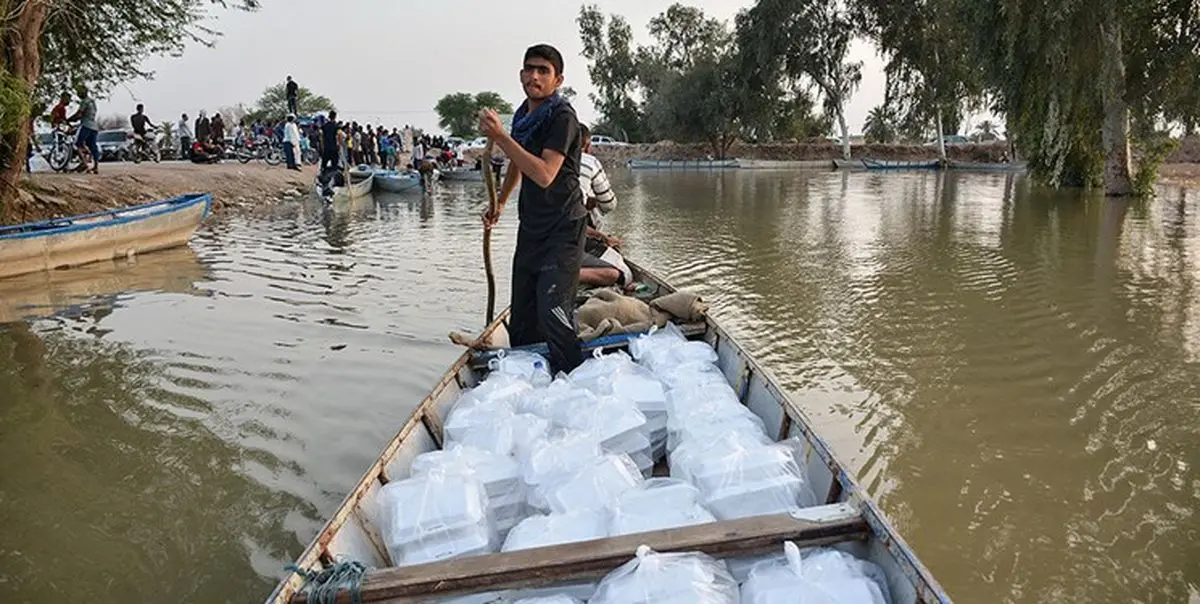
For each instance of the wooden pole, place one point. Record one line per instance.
(485, 164)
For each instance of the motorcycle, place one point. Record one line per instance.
(258, 148)
(146, 149)
(62, 155)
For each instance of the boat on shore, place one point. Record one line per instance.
(362, 182)
(845, 516)
(849, 164)
(882, 164)
(394, 181)
(683, 164)
(120, 233)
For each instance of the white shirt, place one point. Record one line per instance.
(291, 133)
(184, 128)
(594, 182)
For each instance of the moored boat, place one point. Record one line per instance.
(123, 232)
(844, 517)
(683, 164)
(848, 164)
(987, 166)
(881, 164)
(392, 181)
(361, 184)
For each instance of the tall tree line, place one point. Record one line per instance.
(1089, 90)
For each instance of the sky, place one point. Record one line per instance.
(389, 61)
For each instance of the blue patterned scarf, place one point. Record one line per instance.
(525, 125)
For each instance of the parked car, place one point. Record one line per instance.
(600, 139)
(114, 144)
(477, 144)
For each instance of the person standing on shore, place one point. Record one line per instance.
(203, 128)
(185, 137)
(329, 142)
(543, 151)
(292, 90)
(88, 129)
(291, 142)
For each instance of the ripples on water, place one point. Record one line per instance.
(1012, 372)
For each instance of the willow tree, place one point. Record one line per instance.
(930, 78)
(1090, 82)
(54, 45)
(806, 42)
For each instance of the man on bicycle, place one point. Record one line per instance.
(58, 114)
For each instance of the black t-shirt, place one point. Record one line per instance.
(292, 89)
(544, 211)
(329, 135)
(139, 121)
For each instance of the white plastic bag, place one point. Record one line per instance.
(435, 516)
(532, 367)
(552, 461)
(819, 576)
(659, 503)
(556, 529)
(487, 426)
(676, 578)
(499, 474)
(657, 341)
(741, 478)
(595, 485)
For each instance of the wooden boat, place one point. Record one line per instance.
(361, 184)
(987, 166)
(850, 518)
(849, 164)
(879, 164)
(392, 181)
(683, 164)
(123, 232)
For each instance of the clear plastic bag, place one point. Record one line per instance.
(482, 426)
(556, 529)
(741, 477)
(552, 461)
(544, 402)
(435, 516)
(657, 341)
(700, 375)
(675, 578)
(596, 374)
(532, 367)
(660, 503)
(555, 599)
(818, 576)
(595, 485)
(499, 474)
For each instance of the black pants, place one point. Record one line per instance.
(185, 149)
(545, 277)
(329, 158)
(291, 105)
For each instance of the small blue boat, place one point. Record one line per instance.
(683, 164)
(122, 232)
(878, 164)
(392, 181)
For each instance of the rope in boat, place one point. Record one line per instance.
(324, 585)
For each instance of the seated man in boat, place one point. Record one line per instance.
(543, 152)
(602, 262)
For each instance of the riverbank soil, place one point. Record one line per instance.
(233, 185)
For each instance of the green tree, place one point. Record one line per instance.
(986, 131)
(701, 104)
(806, 42)
(458, 112)
(879, 126)
(930, 78)
(272, 105)
(613, 69)
(48, 46)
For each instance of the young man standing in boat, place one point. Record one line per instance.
(543, 151)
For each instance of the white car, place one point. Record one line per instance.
(600, 139)
(478, 143)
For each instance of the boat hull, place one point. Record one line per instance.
(874, 164)
(397, 182)
(361, 185)
(353, 534)
(106, 235)
(683, 164)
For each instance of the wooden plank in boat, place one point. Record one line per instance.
(820, 525)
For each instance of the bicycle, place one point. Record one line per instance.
(63, 155)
